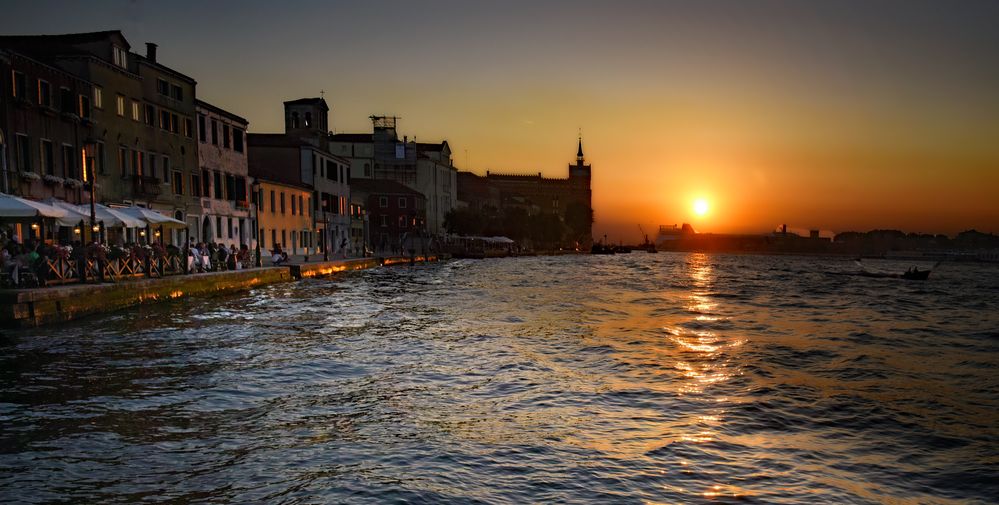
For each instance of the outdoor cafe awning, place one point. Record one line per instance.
(112, 218)
(153, 218)
(16, 207)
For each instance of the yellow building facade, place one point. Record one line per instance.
(284, 215)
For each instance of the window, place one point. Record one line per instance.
(123, 160)
(384, 221)
(282, 202)
(48, 161)
(166, 169)
(306, 205)
(84, 106)
(178, 183)
(206, 183)
(174, 123)
(195, 185)
(164, 120)
(273, 237)
(229, 228)
(19, 86)
(150, 115)
(240, 189)
(219, 192)
(162, 87)
(137, 163)
(151, 164)
(308, 119)
(367, 170)
(201, 128)
(98, 97)
(273, 208)
(383, 201)
(218, 226)
(44, 94)
(284, 237)
(66, 104)
(69, 162)
(101, 165)
(176, 92)
(237, 139)
(23, 152)
(230, 187)
(225, 136)
(188, 128)
(136, 111)
(121, 105)
(293, 205)
(120, 57)
(331, 169)
(294, 120)
(402, 202)
(215, 133)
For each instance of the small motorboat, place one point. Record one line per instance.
(912, 274)
(915, 274)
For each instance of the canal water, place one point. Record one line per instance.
(641, 378)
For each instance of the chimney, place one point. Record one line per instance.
(151, 52)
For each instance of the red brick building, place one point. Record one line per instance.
(394, 211)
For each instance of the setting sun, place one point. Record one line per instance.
(700, 206)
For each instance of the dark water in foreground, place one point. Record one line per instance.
(627, 379)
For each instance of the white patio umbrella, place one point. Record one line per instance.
(112, 218)
(111, 215)
(17, 207)
(72, 212)
(153, 218)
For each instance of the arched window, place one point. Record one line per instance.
(294, 119)
(308, 119)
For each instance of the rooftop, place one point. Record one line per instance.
(376, 186)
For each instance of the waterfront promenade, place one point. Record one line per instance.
(20, 308)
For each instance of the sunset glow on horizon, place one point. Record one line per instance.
(845, 116)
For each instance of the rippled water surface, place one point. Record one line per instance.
(639, 378)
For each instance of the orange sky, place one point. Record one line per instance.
(839, 116)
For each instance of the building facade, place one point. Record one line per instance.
(285, 218)
(534, 193)
(425, 167)
(300, 157)
(395, 212)
(140, 130)
(222, 182)
(46, 123)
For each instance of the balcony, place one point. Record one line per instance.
(146, 186)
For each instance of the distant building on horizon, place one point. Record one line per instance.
(534, 193)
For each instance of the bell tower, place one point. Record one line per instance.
(580, 170)
(307, 118)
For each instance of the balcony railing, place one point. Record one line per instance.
(146, 186)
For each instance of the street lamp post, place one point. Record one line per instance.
(256, 222)
(88, 163)
(326, 235)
